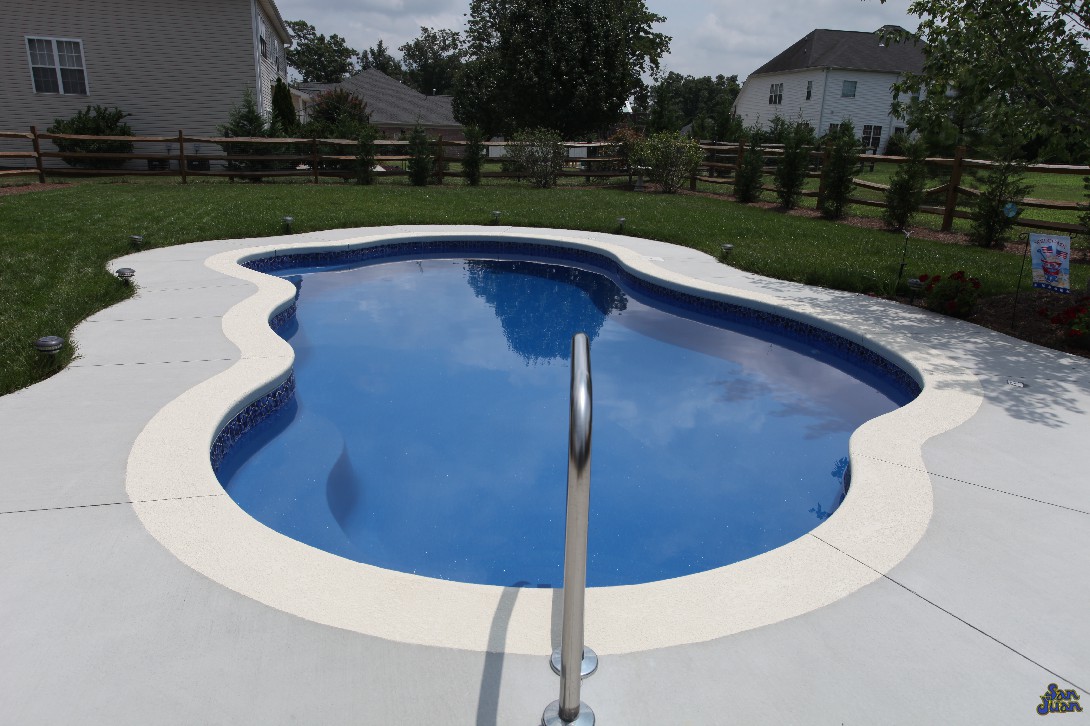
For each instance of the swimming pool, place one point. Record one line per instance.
(718, 434)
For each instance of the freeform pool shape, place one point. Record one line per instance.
(182, 504)
(428, 432)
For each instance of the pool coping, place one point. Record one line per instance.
(885, 514)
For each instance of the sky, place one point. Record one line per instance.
(709, 36)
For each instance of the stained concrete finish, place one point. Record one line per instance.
(102, 624)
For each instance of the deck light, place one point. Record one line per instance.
(496, 217)
(137, 240)
(125, 274)
(914, 286)
(287, 224)
(49, 346)
(724, 252)
(620, 224)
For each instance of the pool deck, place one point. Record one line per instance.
(103, 624)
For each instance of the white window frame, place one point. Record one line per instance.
(775, 94)
(53, 40)
(871, 137)
(844, 89)
(809, 89)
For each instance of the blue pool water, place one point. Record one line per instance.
(428, 433)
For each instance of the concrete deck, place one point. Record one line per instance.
(106, 622)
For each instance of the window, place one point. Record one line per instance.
(809, 89)
(264, 48)
(775, 94)
(848, 90)
(872, 137)
(56, 66)
(898, 130)
(833, 128)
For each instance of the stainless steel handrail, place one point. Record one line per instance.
(576, 662)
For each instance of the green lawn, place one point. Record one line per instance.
(55, 244)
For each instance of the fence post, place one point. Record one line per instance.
(692, 177)
(821, 179)
(952, 190)
(37, 154)
(314, 158)
(439, 159)
(181, 156)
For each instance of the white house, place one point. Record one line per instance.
(832, 76)
(170, 65)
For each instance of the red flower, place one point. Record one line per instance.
(924, 278)
(976, 283)
(951, 306)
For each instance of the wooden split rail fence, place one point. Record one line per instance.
(951, 191)
(317, 158)
(287, 157)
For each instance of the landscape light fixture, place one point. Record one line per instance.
(287, 224)
(914, 287)
(724, 252)
(904, 256)
(137, 240)
(49, 346)
(125, 274)
(496, 217)
(620, 224)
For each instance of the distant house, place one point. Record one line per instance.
(395, 108)
(832, 76)
(170, 65)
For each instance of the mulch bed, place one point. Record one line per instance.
(26, 188)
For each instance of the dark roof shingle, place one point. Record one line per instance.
(392, 102)
(847, 49)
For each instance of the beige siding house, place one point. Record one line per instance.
(171, 65)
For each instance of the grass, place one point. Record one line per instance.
(55, 244)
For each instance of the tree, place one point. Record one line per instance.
(790, 174)
(473, 154)
(432, 60)
(246, 121)
(705, 102)
(283, 110)
(337, 114)
(319, 59)
(841, 166)
(421, 159)
(569, 65)
(1016, 68)
(905, 193)
(380, 59)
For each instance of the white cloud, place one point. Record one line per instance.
(709, 36)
